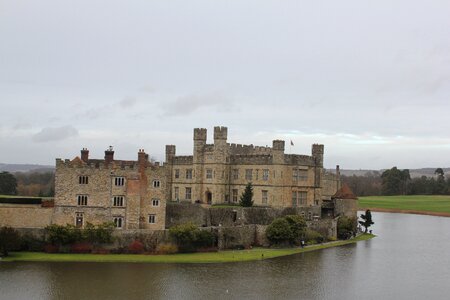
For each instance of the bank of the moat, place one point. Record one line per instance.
(209, 257)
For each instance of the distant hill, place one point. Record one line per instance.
(413, 172)
(12, 168)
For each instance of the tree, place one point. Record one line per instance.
(346, 227)
(395, 181)
(8, 184)
(441, 185)
(247, 196)
(367, 220)
(9, 240)
(279, 231)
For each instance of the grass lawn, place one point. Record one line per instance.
(211, 257)
(422, 203)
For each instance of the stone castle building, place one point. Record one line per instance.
(134, 194)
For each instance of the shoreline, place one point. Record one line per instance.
(227, 256)
(407, 211)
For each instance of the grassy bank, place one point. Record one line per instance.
(429, 204)
(212, 257)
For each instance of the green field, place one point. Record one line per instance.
(210, 257)
(420, 203)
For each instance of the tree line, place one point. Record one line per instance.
(395, 181)
(35, 184)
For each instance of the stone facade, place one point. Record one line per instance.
(129, 193)
(218, 173)
(133, 194)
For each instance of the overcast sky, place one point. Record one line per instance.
(368, 79)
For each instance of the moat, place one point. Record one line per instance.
(408, 259)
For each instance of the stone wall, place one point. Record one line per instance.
(25, 215)
(177, 213)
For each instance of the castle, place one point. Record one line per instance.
(134, 194)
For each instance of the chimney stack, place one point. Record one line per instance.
(85, 155)
(142, 157)
(109, 155)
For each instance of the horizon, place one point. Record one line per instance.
(143, 75)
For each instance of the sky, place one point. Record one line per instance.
(368, 79)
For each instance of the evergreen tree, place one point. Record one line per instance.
(247, 196)
(367, 220)
(8, 184)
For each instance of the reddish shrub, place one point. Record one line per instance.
(81, 248)
(49, 248)
(100, 251)
(136, 247)
(166, 249)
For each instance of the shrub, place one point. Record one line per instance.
(101, 234)
(203, 238)
(298, 227)
(63, 235)
(279, 231)
(82, 247)
(189, 237)
(346, 227)
(49, 248)
(136, 247)
(9, 240)
(166, 249)
(313, 237)
(29, 242)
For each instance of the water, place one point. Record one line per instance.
(410, 259)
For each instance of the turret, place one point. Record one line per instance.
(220, 133)
(278, 152)
(170, 152)
(317, 153)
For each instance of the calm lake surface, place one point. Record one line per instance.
(410, 259)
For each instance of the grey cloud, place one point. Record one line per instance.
(190, 103)
(49, 134)
(128, 102)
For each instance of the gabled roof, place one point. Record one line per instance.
(344, 193)
(77, 161)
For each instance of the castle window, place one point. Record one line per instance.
(118, 222)
(177, 173)
(299, 198)
(299, 175)
(266, 174)
(83, 179)
(209, 174)
(188, 195)
(152, 219)
(79, 220)
(82, 200)
(176, 193)
(118, 201)
(235, 195)
(264, 197)
(235, 173)
(316, 202)
(156, 183)
(249, 174)
(155, 202)
(119, 181)
(189, 174)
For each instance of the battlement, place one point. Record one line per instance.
(220, 133)
(252, 159)
(317, 149)
(97, 164)
(236, 149)
(303, 160)
(200, 134)
(183, 160)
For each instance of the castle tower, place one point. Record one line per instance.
(317, 154)
(278, 152)
(220, 192)
(199, 144)
(170, 153)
